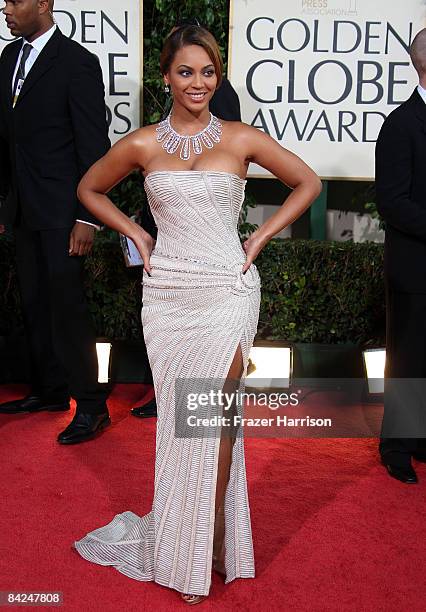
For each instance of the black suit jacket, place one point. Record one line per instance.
(56, 131)
(401, 194)
(225, 103)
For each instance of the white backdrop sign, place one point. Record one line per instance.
(113, 30)
(320, 76)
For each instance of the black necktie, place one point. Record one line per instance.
(20, 75)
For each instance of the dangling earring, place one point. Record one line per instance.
(166, 89)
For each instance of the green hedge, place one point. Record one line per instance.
(329, 292)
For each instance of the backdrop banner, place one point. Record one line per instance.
(113, 31)
(320, 76)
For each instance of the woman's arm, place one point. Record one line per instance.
(291, 170)
(121, 159)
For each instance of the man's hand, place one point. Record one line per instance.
(81, 239)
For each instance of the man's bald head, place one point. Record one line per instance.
(418, 53)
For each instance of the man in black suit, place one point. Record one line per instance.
(401, 200)
(52, 129)
(225, 105)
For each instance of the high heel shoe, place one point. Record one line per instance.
(191, 600)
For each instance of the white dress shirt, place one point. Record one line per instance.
(38, 45)
(422, 92)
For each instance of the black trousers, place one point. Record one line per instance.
(405, 360)
(57, 321)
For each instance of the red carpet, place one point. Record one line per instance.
(332, 531)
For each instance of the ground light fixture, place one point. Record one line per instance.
(270, 367)
(103, 351)
(374, 362)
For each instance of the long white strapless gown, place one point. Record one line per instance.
(198, 308)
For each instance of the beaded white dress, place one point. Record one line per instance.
(198, 308)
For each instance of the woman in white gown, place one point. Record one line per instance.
(201, 296)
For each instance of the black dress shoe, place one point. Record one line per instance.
(147, 410)
(33, 403)
(84, 426)
(405, 474)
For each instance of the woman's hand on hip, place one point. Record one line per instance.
(252, 247)
(144, 244)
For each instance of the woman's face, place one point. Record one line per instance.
(192, 78)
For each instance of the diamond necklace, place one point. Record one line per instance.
(172, 141)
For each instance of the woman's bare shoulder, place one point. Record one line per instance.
(143, 134)
(239, 128)
(242, 131)
(138, 143)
